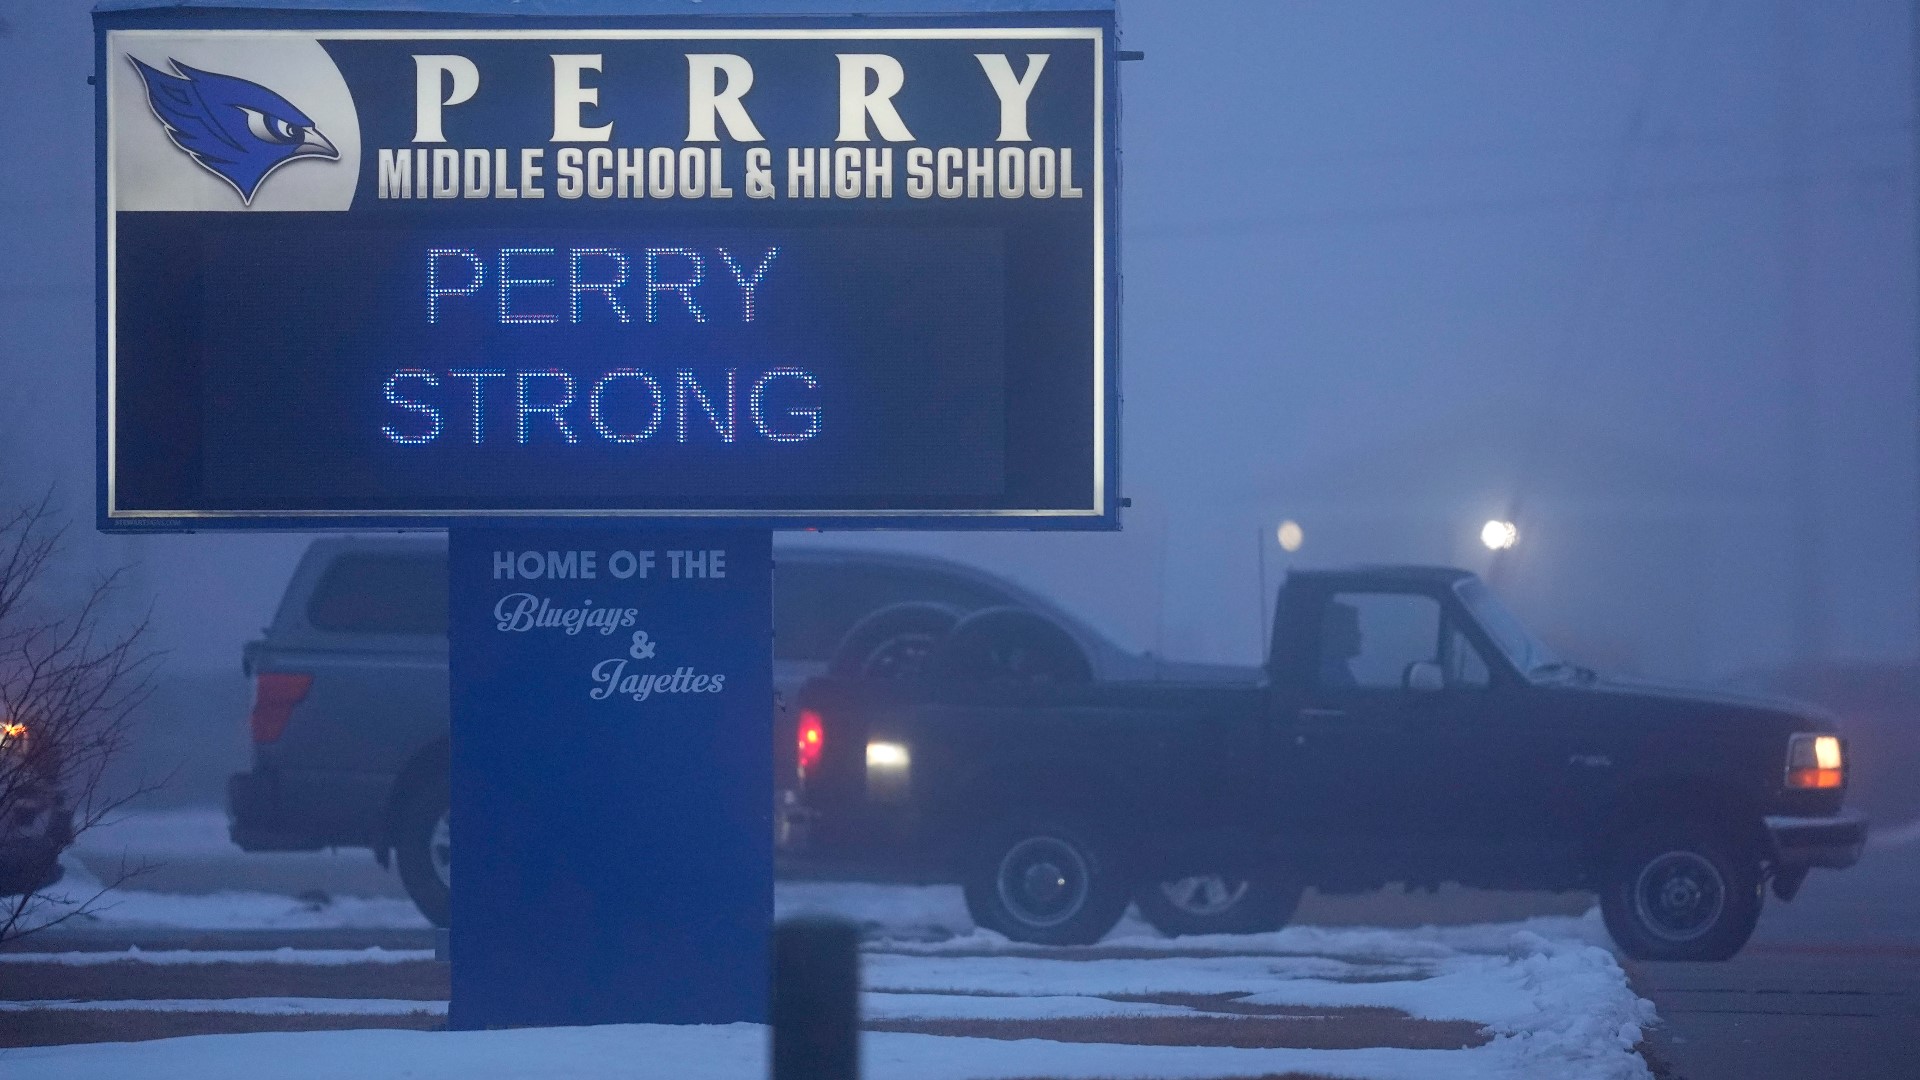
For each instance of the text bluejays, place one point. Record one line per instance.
(718, 85)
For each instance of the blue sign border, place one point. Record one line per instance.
(615, 15)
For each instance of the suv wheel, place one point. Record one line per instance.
(1048, 883)
(893, 642)
(1681, 893)
(423, 848)
(1010, 646)
(1218, 904)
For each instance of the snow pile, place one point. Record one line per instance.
(80, 899)
(1583, 1015)
(137, 955)
(1023, 975)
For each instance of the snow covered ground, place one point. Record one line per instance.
(738, 1052)
(1554, 1004)
(1555, 1008)
(81, 899)
(1539, 998)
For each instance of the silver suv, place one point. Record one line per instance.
(349, 719)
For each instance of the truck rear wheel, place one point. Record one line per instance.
(423, 849)
(1047, 882)
(1218, 904)
(1681, 892)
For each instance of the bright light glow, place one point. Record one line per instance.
(1826, 752)
(1290, 536)
(1499, 535)
(812, 740)
(886, 755)
(887, 774)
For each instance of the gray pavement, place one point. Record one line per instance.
(1829, 988)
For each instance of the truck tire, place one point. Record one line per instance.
(1682, 891)
(1010, 645)
(422, 845)
(1218, 904)
(1047, 882)
(893, 642)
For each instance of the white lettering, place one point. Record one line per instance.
(430, 74)
(710, 104)
(570, 99)
(859, 104)
(1014, 92)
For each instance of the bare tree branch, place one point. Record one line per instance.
(71, 687)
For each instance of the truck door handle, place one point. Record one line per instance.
(1322, 714)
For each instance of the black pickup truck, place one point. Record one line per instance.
(1406, 728)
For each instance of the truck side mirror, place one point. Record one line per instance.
(1425, 677)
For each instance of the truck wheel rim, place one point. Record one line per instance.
(1043, 881)
(1208, 894)
(440, 850)
(1679, 896)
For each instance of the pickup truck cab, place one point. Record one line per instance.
(1406, 728)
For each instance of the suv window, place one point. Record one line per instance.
(381, 594)
(816, 603)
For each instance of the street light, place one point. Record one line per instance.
(1499, 535)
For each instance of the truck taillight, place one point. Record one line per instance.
(812, 740)
(275, 693)
(1814, 761)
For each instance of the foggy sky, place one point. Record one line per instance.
(1643, 270)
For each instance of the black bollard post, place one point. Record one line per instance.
(816, 1000)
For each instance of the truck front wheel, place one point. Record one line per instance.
(1681, 892)
(1218, 904)
(1047, 883)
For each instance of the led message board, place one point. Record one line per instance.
(813, 270)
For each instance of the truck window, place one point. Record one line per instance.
(371, 593)
(1462, 662)
(1368, 639)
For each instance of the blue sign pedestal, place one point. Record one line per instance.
(612, 775)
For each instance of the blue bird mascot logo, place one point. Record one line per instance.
(237, 130)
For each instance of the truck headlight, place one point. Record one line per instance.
(1815, 761)
(888, 764)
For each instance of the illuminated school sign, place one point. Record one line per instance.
(800, 271)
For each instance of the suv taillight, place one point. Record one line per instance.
(812, 740)
(275, 693)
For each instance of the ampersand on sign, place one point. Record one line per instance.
(643, 646)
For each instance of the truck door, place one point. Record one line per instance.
(1373, 732)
